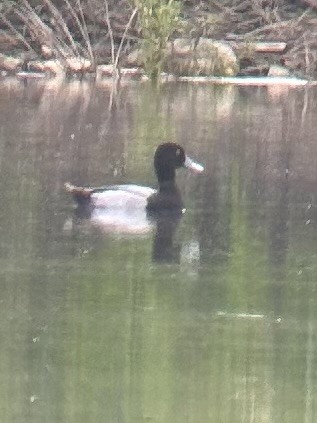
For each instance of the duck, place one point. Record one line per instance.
(126, 200)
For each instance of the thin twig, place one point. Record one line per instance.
(84, 30)
(62, 24)
(110, 32)
(307, 61)
(277, 25)
(75, 16)
(124, 36)
(16, 32)
(28, 15)
(32, 19)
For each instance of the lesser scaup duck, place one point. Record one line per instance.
(168, 157)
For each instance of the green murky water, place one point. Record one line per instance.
(100, 327)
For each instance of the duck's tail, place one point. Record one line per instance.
(81, 194)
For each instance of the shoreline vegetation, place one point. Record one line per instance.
(141, 39)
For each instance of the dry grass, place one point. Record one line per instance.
(70, 28)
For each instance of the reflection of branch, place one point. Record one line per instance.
(115, 77)
(304, 109)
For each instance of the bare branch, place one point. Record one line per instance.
(110, 32)
(124, 35)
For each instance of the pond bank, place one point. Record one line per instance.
(56, 38)
(129, 76)
(207, 61)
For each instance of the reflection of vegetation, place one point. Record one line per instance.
(151, 125)
(247, 254)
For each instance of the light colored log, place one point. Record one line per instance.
(258, 81)
(261, 47)
(269, 47)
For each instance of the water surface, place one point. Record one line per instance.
(215, 322)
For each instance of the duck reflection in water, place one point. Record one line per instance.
(163, 248)
(163, 225)
(134, 209)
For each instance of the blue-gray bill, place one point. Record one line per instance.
(195, 167)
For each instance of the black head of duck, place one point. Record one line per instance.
(167, 159)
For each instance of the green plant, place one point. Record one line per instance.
(158, 20)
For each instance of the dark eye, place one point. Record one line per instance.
(178, 152)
